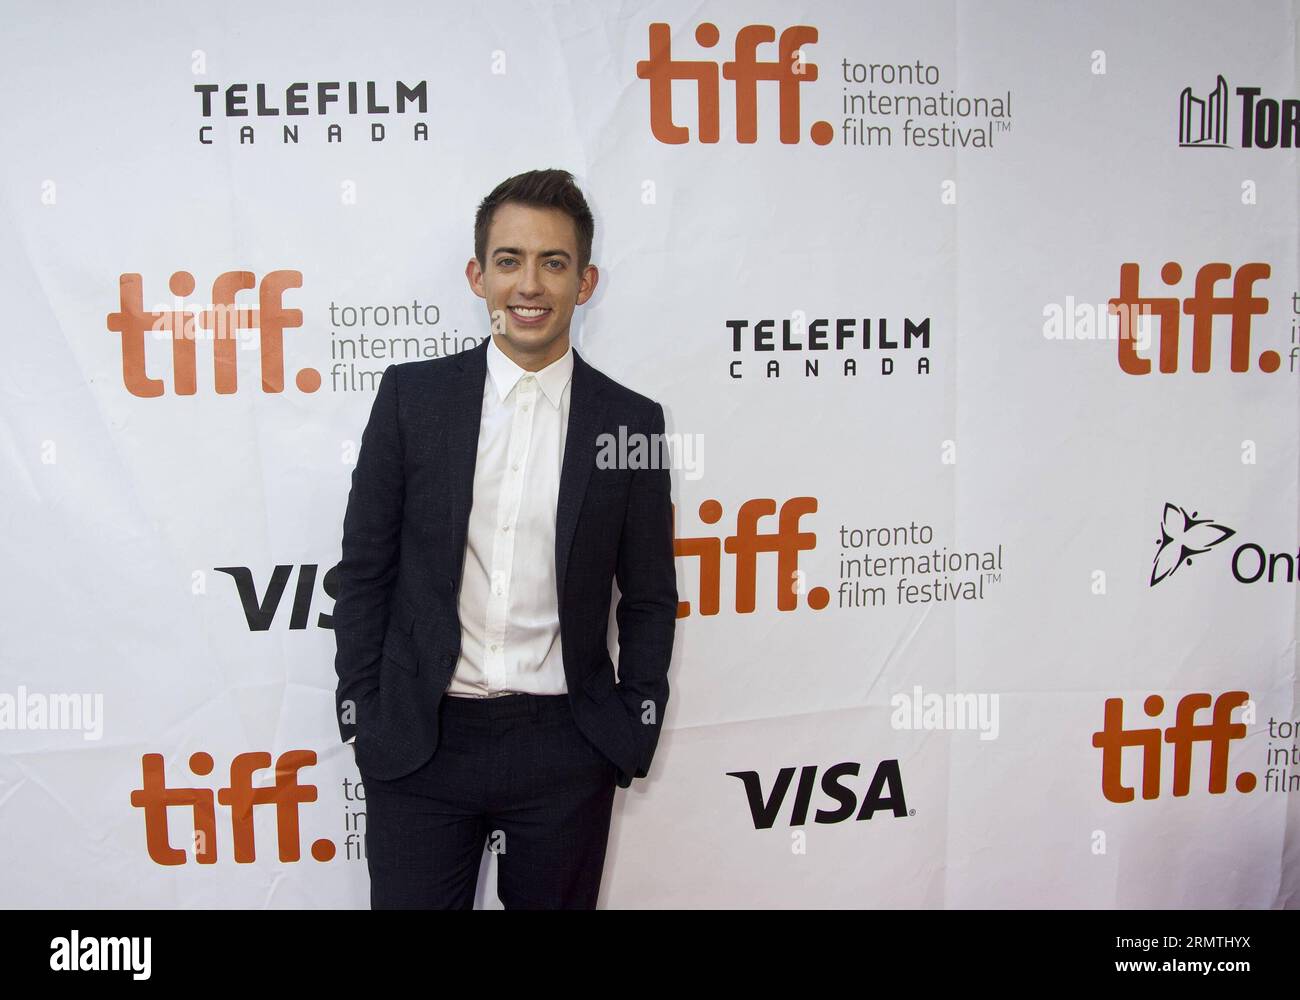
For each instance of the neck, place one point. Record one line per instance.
(533, 362)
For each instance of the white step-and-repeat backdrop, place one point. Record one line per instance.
(977, 327)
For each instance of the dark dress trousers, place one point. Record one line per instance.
(396, 620)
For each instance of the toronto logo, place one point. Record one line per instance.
(1266, 122)
(1204, 122)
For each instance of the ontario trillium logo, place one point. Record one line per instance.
(1183, 535)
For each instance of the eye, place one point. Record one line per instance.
(503, 261)
(559, 264)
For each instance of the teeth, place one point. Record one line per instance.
(528, 313)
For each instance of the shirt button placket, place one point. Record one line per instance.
(516, 455)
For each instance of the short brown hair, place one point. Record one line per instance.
(540, 189)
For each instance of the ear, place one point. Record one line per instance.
(474, 275)
(587, 286)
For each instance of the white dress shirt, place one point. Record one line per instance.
(510, 622)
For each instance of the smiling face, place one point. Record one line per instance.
(531, 282)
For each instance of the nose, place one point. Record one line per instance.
(529, 281)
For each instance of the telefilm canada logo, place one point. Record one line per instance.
(1204, 122)
(795, 348)
(1186, 534)
(332, 112)
(881, 104)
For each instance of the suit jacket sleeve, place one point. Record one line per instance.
(647, 606)
(371, 537)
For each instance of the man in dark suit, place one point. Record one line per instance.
(489, 513)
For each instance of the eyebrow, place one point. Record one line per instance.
(515, 251)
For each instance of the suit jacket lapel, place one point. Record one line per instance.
(586, 416)
(464, 414)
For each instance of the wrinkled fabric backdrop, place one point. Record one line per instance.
(977, 328)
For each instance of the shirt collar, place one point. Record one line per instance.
(506, 374)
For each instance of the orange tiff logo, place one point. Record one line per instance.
(1183, 735)
(223, 318)
(155, 797)
(787, 541)
(788, 70)
(1239, 305)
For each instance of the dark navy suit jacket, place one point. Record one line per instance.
(396, 621)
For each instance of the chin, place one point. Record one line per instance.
(532, 339)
